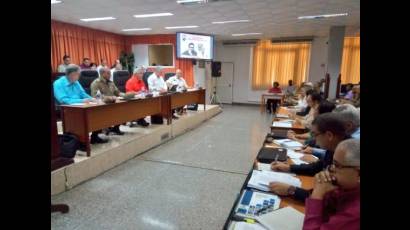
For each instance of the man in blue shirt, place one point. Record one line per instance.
(67, 91)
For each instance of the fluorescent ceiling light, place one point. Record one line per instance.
(191, 1)
(97, 19)
(233, 21)
(322, 16)
(180, 27)
(245, 34)
(137, 29)
(152, 15)
(55, 1)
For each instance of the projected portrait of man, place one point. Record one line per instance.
(191, 50)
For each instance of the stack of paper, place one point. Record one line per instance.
(245, 226)
(286, 218)
(288, 143)
(294, 155)
(267, 167)
(282, 124)
(261, 179)
(282, 115)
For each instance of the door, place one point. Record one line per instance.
(224, 87)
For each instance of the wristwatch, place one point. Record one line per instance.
(291, 190)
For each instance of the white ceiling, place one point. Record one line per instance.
(273, 18)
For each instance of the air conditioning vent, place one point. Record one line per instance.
(240, 42)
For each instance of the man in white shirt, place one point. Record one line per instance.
(156, 82)
(291, 89)
(67, 61)
(177, 80)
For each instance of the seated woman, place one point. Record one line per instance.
(335, 200)
(272, 104)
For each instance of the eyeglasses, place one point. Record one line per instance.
(332, 167)
(316, 134)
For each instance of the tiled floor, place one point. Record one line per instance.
(189, 182)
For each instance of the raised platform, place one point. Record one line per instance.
(122, 148)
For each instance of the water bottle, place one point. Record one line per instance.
(98, 96)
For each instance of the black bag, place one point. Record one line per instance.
(268, 155)
(69, 144)
(193, 107)
(157, 119)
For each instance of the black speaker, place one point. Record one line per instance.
(216, 68)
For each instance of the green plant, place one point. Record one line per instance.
(127, 61)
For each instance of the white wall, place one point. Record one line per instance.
(318, 56)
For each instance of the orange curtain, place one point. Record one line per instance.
(183, 64)
(80, 42)
(350, 70)
(279, 62)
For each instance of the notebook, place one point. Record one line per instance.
(268, 155)
(260, 179)
(286, 218)
(282, 124)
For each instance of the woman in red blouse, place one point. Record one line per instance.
(273, 103)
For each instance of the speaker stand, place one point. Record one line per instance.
(215, 98)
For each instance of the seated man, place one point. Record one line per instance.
(67, 61)
(67, 90)
(349, 94)
(302, 102)
(272, 104)
(86, 64)
(136, 85)
(179, 82)
(335, 200)
(290, 89)
(328, 130)
(351, 118)
(313, 101)
(157, 85)
(106, 88)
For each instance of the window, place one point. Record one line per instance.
(279, 62)
(350, 70)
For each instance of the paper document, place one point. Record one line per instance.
(281, 115)
(78, 104)
(282, 124)
(298, 161)
(245, 226)
(261, 179)
(294, 155)
(288, 143)
(267, 167)
(286, 218)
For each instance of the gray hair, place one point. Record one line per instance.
(352, 149)
(72, 68)
(349, 113)
(158, 68)
(103, 69)
(138, 70)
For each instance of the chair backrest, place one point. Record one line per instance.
(168, 75)
(145, 78)
(86, 78)
(120, 79)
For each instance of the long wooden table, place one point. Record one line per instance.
(307, 183)
(190, 97)
(83, 119)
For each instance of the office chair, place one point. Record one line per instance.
(168, 75)
(86, 78)
(120, 79)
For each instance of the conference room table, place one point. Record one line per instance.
(307, 183)
(275, 96)
(81, 119)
